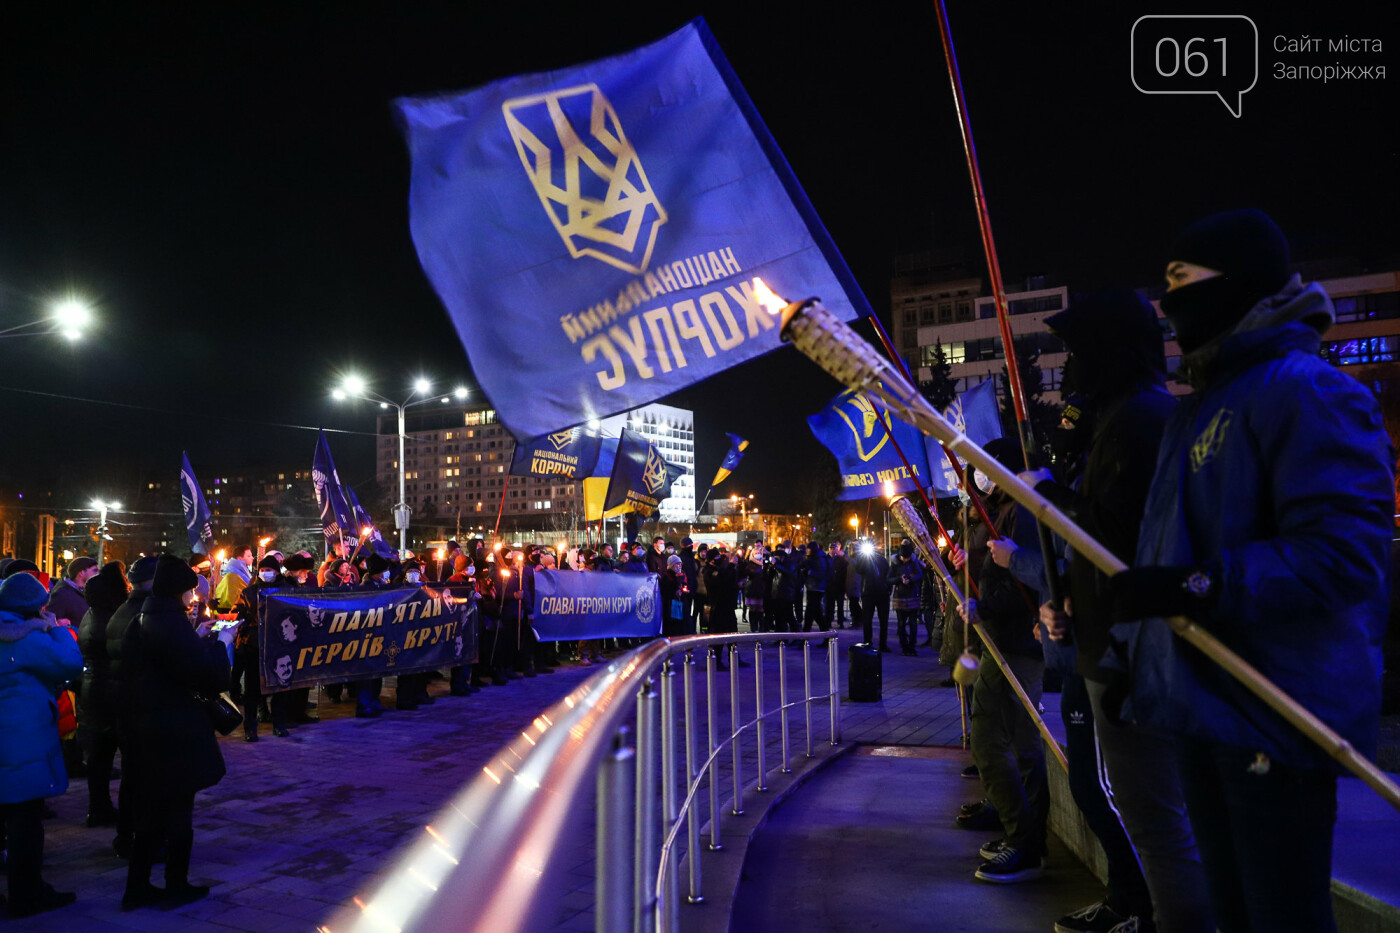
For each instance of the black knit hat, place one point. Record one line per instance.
(298, 562)
(107, 590)
(144, 570)
(20, 565)
(269, 563)
(376, 565)
(173, 577)
(1244, 245)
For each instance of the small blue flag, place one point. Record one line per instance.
(596, 232)
(197, 514)
(737, 446)
(641, 477)
(974, 413)
(336, 518)
(366, 531)
(851, 428)
(571, 453)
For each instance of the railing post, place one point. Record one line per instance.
(692, 779)
(644, 836)
(833, 676)
(782, 705)
(614, 871)
(758, 713)
(807, 689)
(669, 890)
(712, 727)
(734, 729)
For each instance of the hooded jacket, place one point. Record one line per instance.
(1277, 476)
(35, 660)
(1122, 364)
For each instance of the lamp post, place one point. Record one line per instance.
(102, 506)
(355, 387)
(68, 317)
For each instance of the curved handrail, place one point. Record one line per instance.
(486, 860)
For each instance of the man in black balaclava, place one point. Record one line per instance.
(1268, 523)
(1108, 438)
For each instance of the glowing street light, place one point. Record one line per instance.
(70, 317)
(355, 386)
(102, 537)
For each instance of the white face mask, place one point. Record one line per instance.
(984, 483)
(384, 576)
(267, 576)
(411, 576)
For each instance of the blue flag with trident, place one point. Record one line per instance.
(197, 514)
(337, 521)
(974, 413)
(863, 436)
(597, 232)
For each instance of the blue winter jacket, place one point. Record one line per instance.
(1278, 476)
(33, 664)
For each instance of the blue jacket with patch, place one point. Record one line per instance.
(1278, 476)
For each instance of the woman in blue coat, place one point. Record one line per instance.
(37, 655)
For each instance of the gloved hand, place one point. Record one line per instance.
(1159, 592)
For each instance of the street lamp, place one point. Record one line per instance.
(855, 526)
(102, 537)
(69, 317)
(353, 386)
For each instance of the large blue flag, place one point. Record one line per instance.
(596, 232)
(336, 518)
(851, 428)
(974, 413)
(197, 514)
(365, 529)
(571, 453)
(641, 477)
(737, 446)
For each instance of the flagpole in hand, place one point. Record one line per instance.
(839, 350)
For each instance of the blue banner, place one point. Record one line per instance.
(737, 446)
(571, 453)
(595, 232)
(197, 514)
(572, 604)
(336, 518)
(974, 413)
(641, 477)
(337, 634)
(857, 429)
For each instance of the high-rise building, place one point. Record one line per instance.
(457, 460)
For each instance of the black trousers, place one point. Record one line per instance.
(814, 612)
(24, 837)
(876, 605)
(162, 817)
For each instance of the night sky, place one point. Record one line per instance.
(227, 185)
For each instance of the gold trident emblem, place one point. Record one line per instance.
(562, 439)
(587, 175)
(654, 474)
(869, 418)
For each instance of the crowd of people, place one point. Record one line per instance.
(1270, 525)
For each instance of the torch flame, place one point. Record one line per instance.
(771, 302)
(505, 574)
(889, 489)
(220, 555)
(264, 542)
(366, 530)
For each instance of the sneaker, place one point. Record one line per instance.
(969, 772)
(1010, 866)
(983, 819)
(977, 807)
(1096, 918)
(990, 850)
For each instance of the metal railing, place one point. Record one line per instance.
(496, 857)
